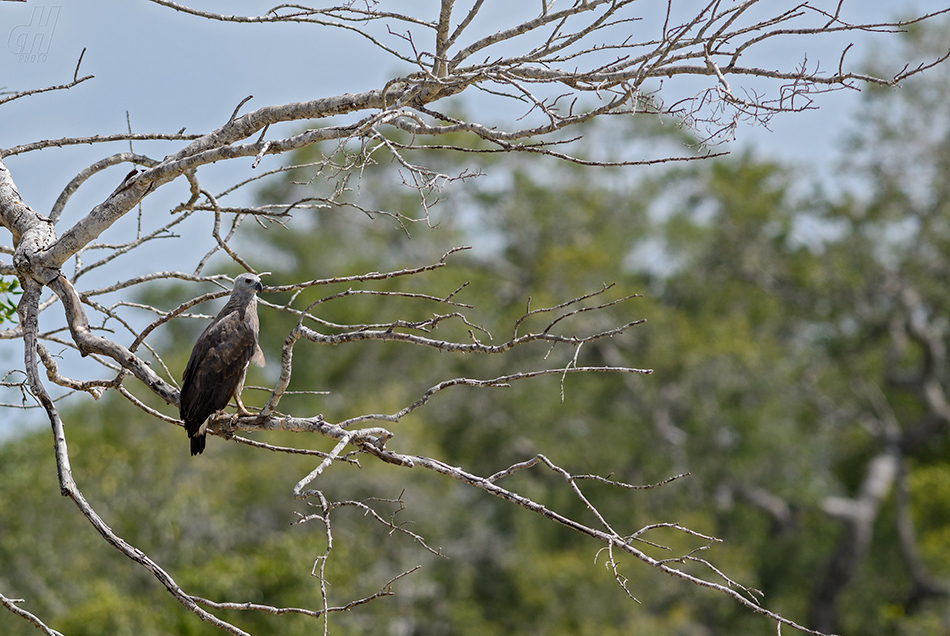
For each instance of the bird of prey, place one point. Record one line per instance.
(219, 361)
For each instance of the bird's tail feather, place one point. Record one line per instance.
(197, 444)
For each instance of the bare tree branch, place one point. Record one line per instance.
(10, 604)
(546, 74)
(35, 91)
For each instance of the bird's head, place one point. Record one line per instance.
(248, 284)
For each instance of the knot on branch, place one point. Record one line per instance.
(25, 261)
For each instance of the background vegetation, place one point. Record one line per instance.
(797, 337)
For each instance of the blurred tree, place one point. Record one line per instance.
(806, 373)
(798, 345)
(799, 354)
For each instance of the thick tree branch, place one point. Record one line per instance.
(552, 71)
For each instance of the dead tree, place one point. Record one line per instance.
(545, 72)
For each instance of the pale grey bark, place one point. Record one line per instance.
(576, 54)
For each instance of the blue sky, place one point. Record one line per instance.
(170, 70)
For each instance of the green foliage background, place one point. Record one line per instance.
(9, 290)
(774, 314)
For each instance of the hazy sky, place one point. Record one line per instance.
(171, 70)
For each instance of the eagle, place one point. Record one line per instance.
(218, 363)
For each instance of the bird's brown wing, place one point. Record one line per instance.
(215, 368)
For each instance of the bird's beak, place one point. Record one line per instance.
(259, 286)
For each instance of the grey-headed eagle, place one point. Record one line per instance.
(219, 361)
